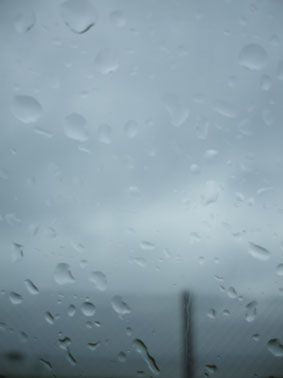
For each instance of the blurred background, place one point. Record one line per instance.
(141, 158)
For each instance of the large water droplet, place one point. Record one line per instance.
(79, 16)
(31, 287)
(26, 109)
(104, 133)
(251, 311)
(253, 57)
(258, 252)
(275, 347)
(63, 274)
(279, 269)
(106, 61)
(131, 129)
(15, 298)
(99, 280)
(88, 308)
(75, 127)
(120, 306)
(178, 112)
(18, 253)
(24, 20)
(141, 348)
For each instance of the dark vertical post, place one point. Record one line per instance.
(187, 335)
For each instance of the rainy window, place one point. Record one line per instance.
(141, 188)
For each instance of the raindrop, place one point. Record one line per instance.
(195, 169)
(178, 112)
(88, 308)
(275, 347)
(258, 252)
(140, 261)
(71, 358)
(18, 253)
(106, 61)
(253, 57)
(46, 364)
(23, 337)
(131, 129)
(79, 16)
(251, 311)
(117, 19)
(120, 306)
(211, 154)
(104, 134)
(225, 109)
(280, 70)
(26, 109)
(266, 82)
(129, 331)
(75, 127)
(99, 280)
(31, 287)
(97, 323)
(231, 292)
(210, 193)
(134, 192)
(93, 346)
(255, 337)
(122, 357)
(63, 274)
(49, 318)
(141, 348)
(226, 313)
(201, 128)
(211, 313)
(83, 263)
(24, 20)
(15, 298)
(44, 132)
(210, 370)
(71, 310)
(147, 245)
(64, 343)
(279, 269)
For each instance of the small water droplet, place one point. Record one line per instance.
(258, 252)
(94, 346)
(210, 192)
(122, 357)
(211, 154)
(24, 20)
(265, 82)
(71, 310)
(71, 358)
(280, 70)
(78, 16)
(15, 298)
(231, 292)
(226, 313)
(63, 274)
(225, 108)
(49, 318)
(275, 347)
(64, 342)
(88, 308)
(18, 253)
(119, 306)
(141, 348)
(105, 134)
(131, 129)
(211, 313)
(31, 287)
(255, 337)
(44, 132)
(279, 269)
(99, 280)
(106, 61)
(129, 331)
(117, 18)
(195, 169)
(251, 311)
(75, 127)
(46, 364)
(178, 112)
(210, 370)
(147, 245)
(253, 57)
(26, 109)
